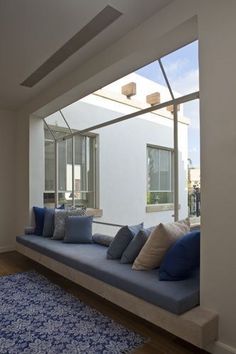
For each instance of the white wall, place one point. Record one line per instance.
(36, 161)
(8, 178)
(217, 28)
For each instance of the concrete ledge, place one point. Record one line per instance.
(97, 213)
(198, 326)
(152, 208)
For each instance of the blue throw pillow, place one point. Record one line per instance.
(48, 227)
(101, 239)
(78, 229)
(182, 258)
(39, 220)
(121, 240)
(135, 246)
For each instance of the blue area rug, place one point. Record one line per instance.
(37, 316)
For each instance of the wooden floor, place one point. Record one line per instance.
(160, 341)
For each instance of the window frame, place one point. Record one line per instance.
(160, 206)
(95, 182)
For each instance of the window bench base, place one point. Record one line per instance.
(198, 326)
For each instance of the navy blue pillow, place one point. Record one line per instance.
(182, 258)
(48, 227)
(39, 220)
(78, 229)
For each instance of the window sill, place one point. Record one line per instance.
(97, 213)
(153, 208)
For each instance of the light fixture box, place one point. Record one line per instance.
(129, 89)
(154, 98)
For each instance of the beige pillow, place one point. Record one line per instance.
(161, 238)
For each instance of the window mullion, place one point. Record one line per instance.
(56, 174)
(176, 165)
(73, 170)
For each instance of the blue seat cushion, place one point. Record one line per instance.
(182, 258)
(176, 297)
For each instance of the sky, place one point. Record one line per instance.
(181, 68)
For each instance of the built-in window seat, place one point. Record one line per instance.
(173, 306)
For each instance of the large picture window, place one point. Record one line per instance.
(163, 99)
(159, 175)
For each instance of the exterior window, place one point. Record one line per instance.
(159, 175)
(84, 171)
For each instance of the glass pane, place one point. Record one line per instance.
(92, 110)
(84, 172)
(47, 134)
(130, 94)
(165, 170)
(65, 172)
(159, 176)
(49, 166)
(153, 169)
(189, 177)
(153, 80)
(181, 67)
(57, 124)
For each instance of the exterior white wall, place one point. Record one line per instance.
(123, 154)
(8, 178)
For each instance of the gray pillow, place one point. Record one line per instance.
(60, 219)
(121, 240)
(48, 227)
(104, 240)
(135, 246)
(78, 229)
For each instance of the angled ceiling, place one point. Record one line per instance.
(32, 31)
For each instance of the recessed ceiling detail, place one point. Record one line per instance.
(102, 20)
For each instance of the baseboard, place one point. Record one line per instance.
(7, 249)
(221, 348)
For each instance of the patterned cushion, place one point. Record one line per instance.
(59, 221)
(160, 240)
